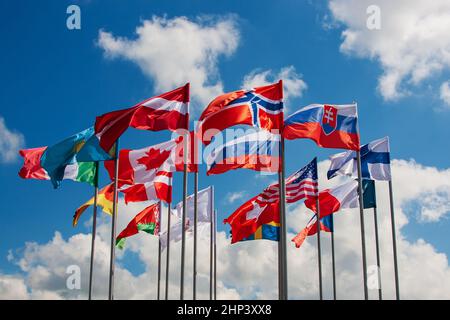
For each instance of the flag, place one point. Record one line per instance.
(332, 200)
(141, 166)
(76, 171)
(60, 161)
(105, 200)
(176, 233)
(160, 188)
(260, 107)
(204, 205)
(375, 162)
(330, 126)
(300, 185)
(246, 220)
(32, 168)
(369, 197)
(257, 151)
(268, 231)
(147, 220)
(326, 224)
(168, 111)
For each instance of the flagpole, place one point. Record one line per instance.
(394, 241)
(113, 223)
(333, 261)
(94, 229)
(282, 257)
(183, 229)
(319, 253)
(375, 222)
(211, 245)
(194, 275)
(361, 217)
(166, 292)
(215, 255)
(159, 251)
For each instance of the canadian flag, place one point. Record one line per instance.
(146, 174)
(332, 200)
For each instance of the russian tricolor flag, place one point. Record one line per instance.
(330, 126)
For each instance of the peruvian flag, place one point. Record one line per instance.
(332, 200)
(168, 111)
(250, 216)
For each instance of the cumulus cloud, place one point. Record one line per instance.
(10, 143)
(232, 197)
(175, 51)
(411, 46)
(293, 84)
(248, 269)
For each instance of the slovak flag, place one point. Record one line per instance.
(257, 151)
(330, 126)
(344, 196)
(375, 162)
(326, 224)
(261, 107)
(168, 111)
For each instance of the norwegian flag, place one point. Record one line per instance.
(300, 185)
(261, 107)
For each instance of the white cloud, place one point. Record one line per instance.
(232, 197)
(10, 143)
(248, 269)
(411, 46)
(293, 84)
(445, 92)
(175, 51)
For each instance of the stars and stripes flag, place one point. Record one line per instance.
(300, 185)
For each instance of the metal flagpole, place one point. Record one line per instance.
(282, 257)
(215, 255)
(361, 217)
(375, 222)
(159, 251)
(394, 241)
(94, 229)
(183, 230)
(166, 292)
(194, 275)
(211, 245)
(333, 261)
(113, 224)
(319, 253)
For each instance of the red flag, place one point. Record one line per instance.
(250, 216)
(260, 107)
(168, 111)
(32, 168)
(332, 200)
(160, 188)
(147, 220)
(311, 229)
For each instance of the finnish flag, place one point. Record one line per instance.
(375, 162)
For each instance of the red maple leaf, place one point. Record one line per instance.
(154, 158)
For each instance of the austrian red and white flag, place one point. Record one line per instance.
(332, 200)
(168, 111)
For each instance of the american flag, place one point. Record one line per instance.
(302, 184)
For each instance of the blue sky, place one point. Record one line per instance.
(55, 81)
